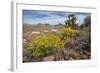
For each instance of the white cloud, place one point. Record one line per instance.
(35, 17)
(51, 20)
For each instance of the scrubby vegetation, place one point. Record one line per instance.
(45, 45)
(69, 41)
(67, 33)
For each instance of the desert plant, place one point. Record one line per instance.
(86, 38)
(71, 21)
(67, 33)
(45, 45)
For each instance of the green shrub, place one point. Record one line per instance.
(86, 38)
(45, 45)
(67, 33)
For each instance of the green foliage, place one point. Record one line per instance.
(67, 33)
(87, 22)
(45, 45)
(86, 38)
(71, 21)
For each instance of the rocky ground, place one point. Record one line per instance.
(72, 51)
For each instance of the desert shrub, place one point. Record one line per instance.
(67, 33)
(86, 38)
(45, 45)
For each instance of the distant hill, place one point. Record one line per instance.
(40, 27)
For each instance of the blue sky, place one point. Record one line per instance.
(51, 17)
